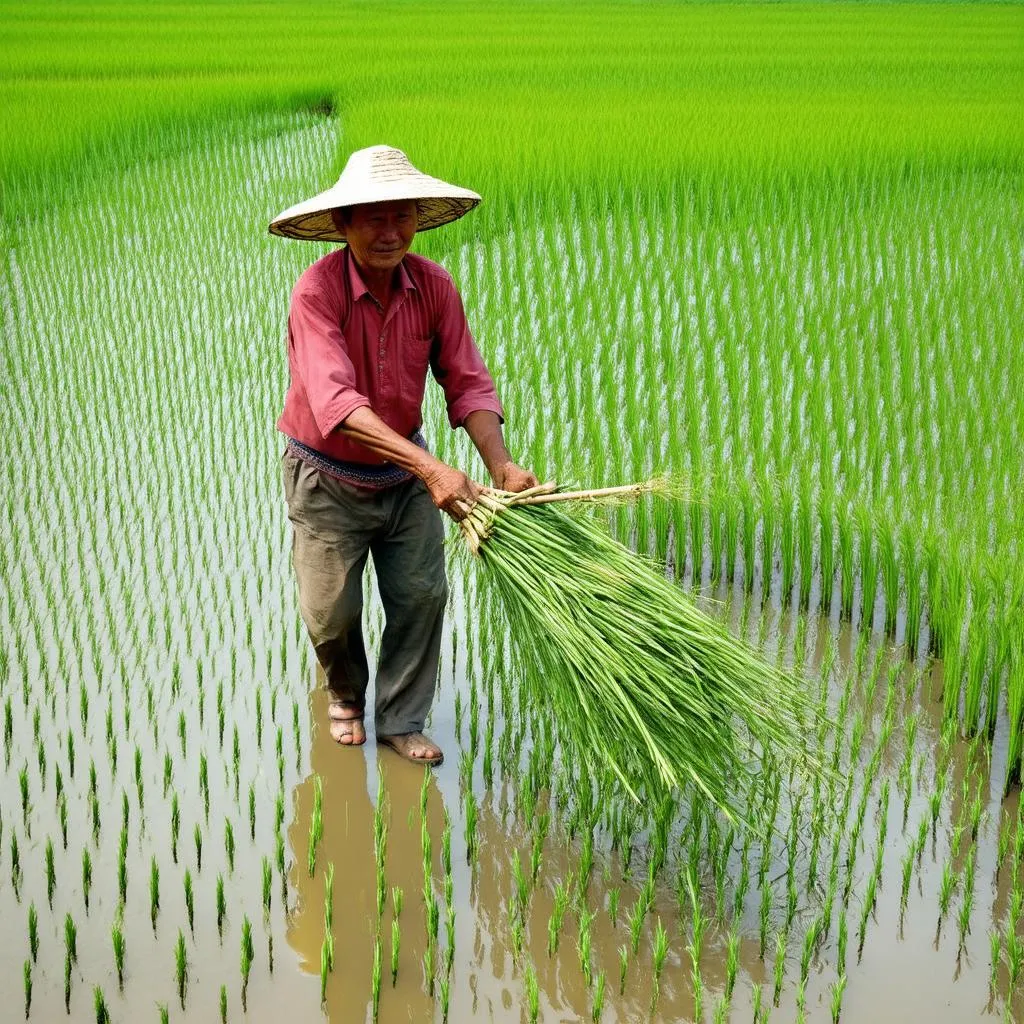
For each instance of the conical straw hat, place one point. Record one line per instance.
(375, 175)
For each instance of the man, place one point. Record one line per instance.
(365, 323)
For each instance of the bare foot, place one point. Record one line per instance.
(346, 723)
(414, 746)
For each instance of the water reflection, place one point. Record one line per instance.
(349, 779)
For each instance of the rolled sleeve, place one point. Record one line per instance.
(319, 357)
(458, 366)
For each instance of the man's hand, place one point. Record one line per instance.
(511, 477)
(451, 490)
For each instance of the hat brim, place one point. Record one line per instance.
(312, 220)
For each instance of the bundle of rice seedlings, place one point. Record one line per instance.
(639, 680)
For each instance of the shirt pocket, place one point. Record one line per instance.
(415, 360)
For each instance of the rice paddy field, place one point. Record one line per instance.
(774, 251)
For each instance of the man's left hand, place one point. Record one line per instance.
(511, 477)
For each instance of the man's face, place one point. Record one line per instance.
(379, 234)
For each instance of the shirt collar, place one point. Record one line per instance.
(358, 285)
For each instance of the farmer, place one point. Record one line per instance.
(365, 323)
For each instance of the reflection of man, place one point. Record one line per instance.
(365, 323)
(347, 843)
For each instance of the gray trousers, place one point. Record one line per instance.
(335, 527)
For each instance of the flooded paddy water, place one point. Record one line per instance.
(165, 757)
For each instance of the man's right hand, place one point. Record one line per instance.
(451, 490)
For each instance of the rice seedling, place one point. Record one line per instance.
(180, 969)
(316, 825)
(428, 965)
(846, 568)
(908, 870)
(660, 953)
(756, 1002)
(236, 759)
(223, 1004)
(433, 915)
(259, 719)
(329, 899)
(909, 558)
(122, 865)
(613, 905)
(67, 983)
(23, 784)
(51, 878)
(697, 982)
(444, 987)
(537, 845)
(27, 976)
(809, 945)
(947, 886)
(175, 827)
(280, 862)
(623, 968)
(558, 909)
(33, 932)
(189, 901)
(326, 965)
(522, 886)
(204, 786)
(516, 935)
(70, 938)
(964, 918)
(885, 540)
(94, 805)
(1014, 950)
(764, 915)
(732, 963)
(449, 937)
(396, 940)
(229, 846)
(154, 892)
(221, 905)
(583, 944)
(267, 883)
(117, 940)
(246, 958)
(837, 988)
(636, 923)
(779, 966)
(597, 1007)
(787, 546)
(100, 1006)
(470, 811)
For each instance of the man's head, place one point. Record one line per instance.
(379, 234)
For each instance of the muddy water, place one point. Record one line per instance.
(910, 967)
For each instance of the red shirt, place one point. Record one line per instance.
(344, 352)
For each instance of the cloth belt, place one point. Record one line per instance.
(358, 474)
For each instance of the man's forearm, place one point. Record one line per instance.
(450, 489)
(366, 427)
(484, 429)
